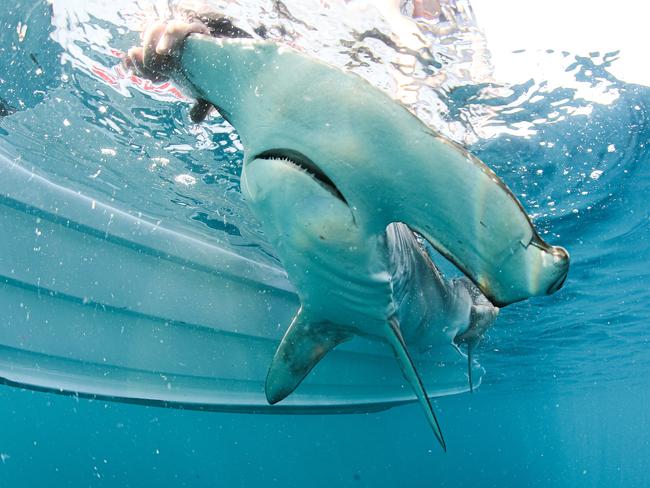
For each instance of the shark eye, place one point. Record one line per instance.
(301, 161)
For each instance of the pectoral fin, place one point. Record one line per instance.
(396, 340)
(304, 344)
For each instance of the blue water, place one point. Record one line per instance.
(540, 439)
(565, 398)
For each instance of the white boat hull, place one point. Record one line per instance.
(99, 303)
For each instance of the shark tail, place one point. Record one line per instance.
(410, 372)
(302, 347)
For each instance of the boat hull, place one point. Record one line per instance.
(104, 304)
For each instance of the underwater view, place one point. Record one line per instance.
(324, 243)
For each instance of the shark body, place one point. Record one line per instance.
(340, 176)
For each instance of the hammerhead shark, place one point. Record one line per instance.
(341, 177)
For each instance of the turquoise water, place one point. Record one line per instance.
(497, 438)
(564, 401)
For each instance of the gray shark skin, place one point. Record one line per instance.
(331, 164)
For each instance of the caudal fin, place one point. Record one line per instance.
(396, 341)
(302, 347)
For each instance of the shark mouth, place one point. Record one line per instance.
(303, 162)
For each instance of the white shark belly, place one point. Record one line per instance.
(341, 272)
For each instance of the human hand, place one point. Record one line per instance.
(157, 59)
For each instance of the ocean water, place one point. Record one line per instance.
(564, 400)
